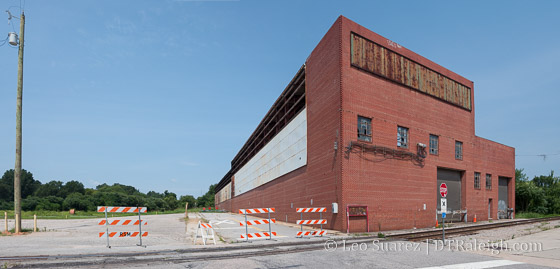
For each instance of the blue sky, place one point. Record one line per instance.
(161, 95)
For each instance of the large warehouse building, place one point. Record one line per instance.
(371, 130)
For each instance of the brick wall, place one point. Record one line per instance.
(394, 190)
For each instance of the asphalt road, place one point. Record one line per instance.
(360, 256)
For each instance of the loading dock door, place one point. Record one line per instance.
(452, 179)
(503, 201)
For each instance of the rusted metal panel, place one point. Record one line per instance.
(372, 57)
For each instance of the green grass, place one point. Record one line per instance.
(13, 230)
(88, 214)
(532, 215)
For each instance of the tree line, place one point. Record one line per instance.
(56, 196)
(539, 195)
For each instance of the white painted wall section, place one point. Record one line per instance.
(286, 152)
(224, 194)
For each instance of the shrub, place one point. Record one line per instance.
(78, 201)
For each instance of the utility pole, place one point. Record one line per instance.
(17, 173)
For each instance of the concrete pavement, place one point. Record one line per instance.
(171, 232)
(228, 228)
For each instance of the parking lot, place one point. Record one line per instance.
(165, 232)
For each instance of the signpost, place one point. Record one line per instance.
(443, 192)
(443, 213)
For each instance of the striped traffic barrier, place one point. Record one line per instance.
(311, 209)
(123, 234)
(258, 235)
(312, 221)
(257, 222)
(122, 222)
(247, 223)
(205, 230)
(312, 233)
(256, 210)
(123, 209)
(320, 221)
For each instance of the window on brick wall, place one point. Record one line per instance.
(402, 137)
(488, 181)
(477, 180)
(458, 150)
(434, 144)
(364, 129)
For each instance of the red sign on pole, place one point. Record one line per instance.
(443, 189)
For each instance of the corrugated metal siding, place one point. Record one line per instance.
(374, 58)
(286, 152)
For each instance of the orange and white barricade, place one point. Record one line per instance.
(206, 232)
(258, 235)
(123, 209)
(123, 234)
(247, 223)
(320, 221)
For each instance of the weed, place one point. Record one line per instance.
(380, 235)
(43, 214)
(532, 215)
(24, 230)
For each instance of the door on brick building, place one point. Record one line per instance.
(503, 200)
(452, 178)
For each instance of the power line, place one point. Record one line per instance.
(3, 42)
(537, 155)
(544, 156)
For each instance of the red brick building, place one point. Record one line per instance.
(367, 122)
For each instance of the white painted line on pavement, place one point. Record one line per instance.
(476, 265)
(218, 222)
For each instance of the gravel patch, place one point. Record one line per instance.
(508, 233)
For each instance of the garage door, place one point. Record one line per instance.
(452, 179)
(502, 197)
